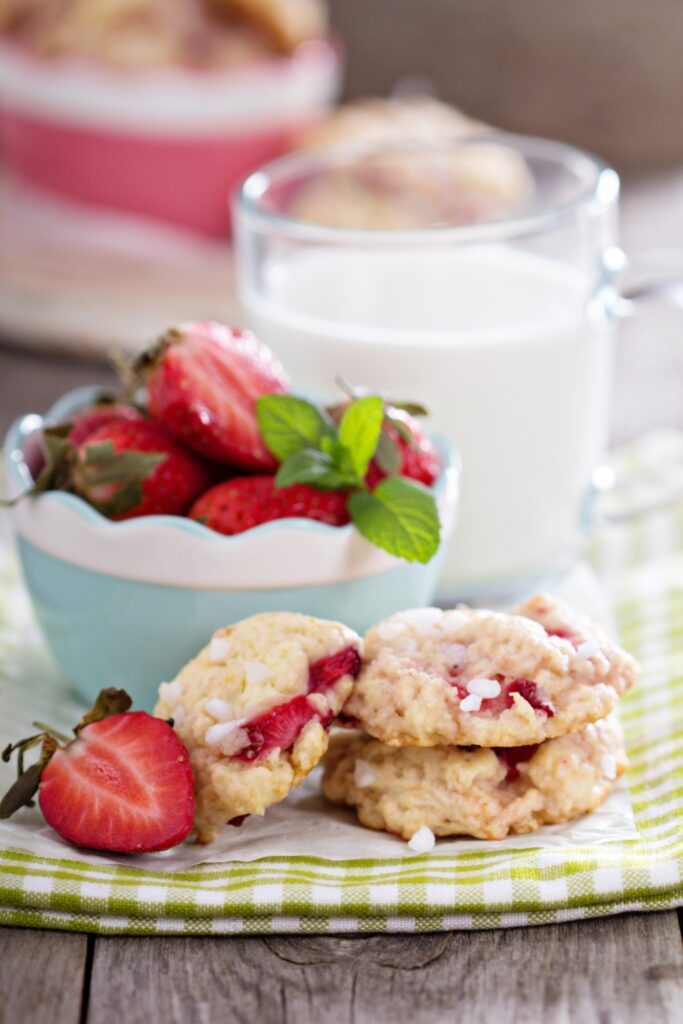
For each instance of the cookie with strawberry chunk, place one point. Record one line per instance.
(480, 792)
(487, 678)
(254, 710)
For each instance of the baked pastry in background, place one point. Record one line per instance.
(254, 710)
(485, 793)
(287, 23)
(140, 33)
(419, 187)
(373, 119)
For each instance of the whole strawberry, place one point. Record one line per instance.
(124, 784)
(126, 467)
(203, 381)
(416, 455)
(171, 485)
(243, 502)
(85, 422)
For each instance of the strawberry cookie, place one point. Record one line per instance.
(485, 793)
(486, 678)
(254, 709)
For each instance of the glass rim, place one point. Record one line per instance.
(602, 186)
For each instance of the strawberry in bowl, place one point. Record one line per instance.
(142, 528)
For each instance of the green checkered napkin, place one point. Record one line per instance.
(644, 564)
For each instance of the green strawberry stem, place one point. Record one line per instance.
(109, 702)
(51, 731)
(110, 481)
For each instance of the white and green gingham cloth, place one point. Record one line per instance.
(506, 887)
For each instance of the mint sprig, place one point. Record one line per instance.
(400, 515)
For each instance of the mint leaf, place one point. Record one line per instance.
(359, 431)
(399, 516)
(388, 455)
(288, 424)
(310, 466)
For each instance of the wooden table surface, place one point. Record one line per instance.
(623, 969)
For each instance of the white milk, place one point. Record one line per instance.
(499, 345)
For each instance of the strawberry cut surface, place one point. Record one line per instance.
(279, 728)
(203, 387)
(124, 785)
(327, 671)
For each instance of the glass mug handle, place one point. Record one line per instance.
(628, 284)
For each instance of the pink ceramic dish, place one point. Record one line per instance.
(168, 143)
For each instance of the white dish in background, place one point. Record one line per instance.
(62, 263)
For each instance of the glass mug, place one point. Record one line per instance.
(503, 327)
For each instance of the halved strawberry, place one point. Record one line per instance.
(244, 502)
(203, 380)
(124, 784)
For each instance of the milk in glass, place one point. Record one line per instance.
(504, 347)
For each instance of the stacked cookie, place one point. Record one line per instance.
(481, 723)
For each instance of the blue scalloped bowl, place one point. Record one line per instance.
(127, 604)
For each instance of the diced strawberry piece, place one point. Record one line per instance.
(279, 728)
(327, 671)
(512, 757)
(565, 634)
(247, 501)
(532, 693)
(203, 385)
(454, 677)
(125, 785)
(347, 721)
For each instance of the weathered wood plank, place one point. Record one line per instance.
(621, 970)
(41, 976)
